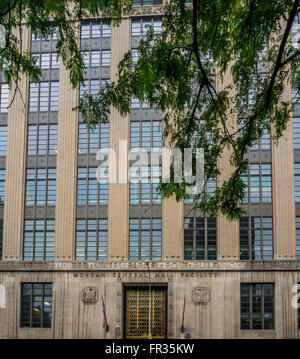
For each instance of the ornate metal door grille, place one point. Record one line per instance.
(137, 313)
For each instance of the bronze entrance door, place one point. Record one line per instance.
(138, 303)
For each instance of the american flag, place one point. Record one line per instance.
(104, 322)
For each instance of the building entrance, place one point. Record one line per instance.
(145, 308)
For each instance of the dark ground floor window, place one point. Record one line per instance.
(257, 306)
(36, 305)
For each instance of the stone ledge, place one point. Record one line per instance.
(277, 265)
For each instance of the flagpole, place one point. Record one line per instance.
(150, 303)
(105, 323)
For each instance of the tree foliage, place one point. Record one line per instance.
(176, 71)
(44, 18)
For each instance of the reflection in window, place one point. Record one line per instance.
(200, 238)
(2, 186)
(3, 140)
(89, 190)
(4, 98)
(38, 240)
(36, 305)
(140, 26)
(297, 181)
(1, 238)
(91, 239)
(145, 239)
(258, 183)
(42, 140)
(256, 238)
(43, 96)
(146, 135)
(298, 238)
(146, 2)
(95, 29)
(40, 187)
(90, 140)
(143, 184)
(257, 306)
(210, 188)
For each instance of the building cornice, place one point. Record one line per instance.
(16, 266)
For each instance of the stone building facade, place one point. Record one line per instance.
(70, 245)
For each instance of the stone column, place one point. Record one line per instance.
(227, 231)
(118, 193)
(284, 232)
(13, 226)
(66, 169)
(172, 221)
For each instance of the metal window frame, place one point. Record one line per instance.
(87, 178)
(155, 199)
(50, 97)
(47, 180)
(50, 134)
(248, 175)
(86, 231)
(90, 23)
(34, 231)
(31, 304)
(262, 304)
(194, 229)
(139, 230)
(250, 231)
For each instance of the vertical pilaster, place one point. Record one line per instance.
(227, 231)
(118, 193)
(172, 221)
(15, 165)
(66, 169)
(284, 232)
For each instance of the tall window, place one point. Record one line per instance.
(2, 186)
(42, 139)
(95, 29)
(257, 306)
(297, 181)
(47, 60)
(36, 305)
(264, 143)
(1, 238)
(54, 36)
(296, 132)
(41, 187)
(210, 188)
(140, 26)
(39, 240)
(96, 58)
(145, 239)
(4, 98)
(90, 141)
(258, 182)
(298, 238)
(146, 2)
(143, 184)
(43, 96)
(89, 190)
(256, 238)
(91, 239)
(3, 140)
(146, 135)
(200, 238)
